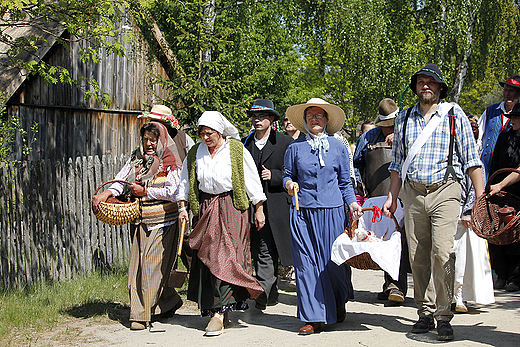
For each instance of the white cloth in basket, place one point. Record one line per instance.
(386, 254)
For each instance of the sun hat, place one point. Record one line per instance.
(161, 113)
(513, 81)
(335, 115)
(388, 111)
(263, 105)
(433, 71)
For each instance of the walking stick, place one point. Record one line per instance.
(183, 226)
(296, 201)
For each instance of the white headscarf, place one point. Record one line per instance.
(216, 121)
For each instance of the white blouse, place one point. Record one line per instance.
(214, 174)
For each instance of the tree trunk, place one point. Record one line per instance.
(210, 15)
(462, 68)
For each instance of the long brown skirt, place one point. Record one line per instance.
(151, 259)
(221, 240)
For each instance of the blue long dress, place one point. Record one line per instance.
(321, 285)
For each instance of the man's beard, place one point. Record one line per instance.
(428, 98)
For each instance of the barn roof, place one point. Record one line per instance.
(12, 77)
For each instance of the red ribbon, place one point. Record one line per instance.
(378, 215)
(512, 81)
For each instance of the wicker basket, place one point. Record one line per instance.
(363, 261)
(116, 212)
(485, 220)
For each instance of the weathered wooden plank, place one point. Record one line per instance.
(86, 198)
(109, 228)
(59, 216)
(11, 201)
(93, 162)
(71, 230)
(65, 230)
(100, 255)
(31, 209)
(4, 227)
(80, 230)
(21, 225)
(50, 198)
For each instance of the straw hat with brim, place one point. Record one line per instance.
(335, 115)
(513, 81)
(515, 112)
(388, 111)
(161, 113)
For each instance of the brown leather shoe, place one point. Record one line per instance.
(310, 328)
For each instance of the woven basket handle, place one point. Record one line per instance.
(107, 182)
(496, 173)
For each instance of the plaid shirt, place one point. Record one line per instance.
(430, 163)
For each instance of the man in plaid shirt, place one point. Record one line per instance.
(429, 183)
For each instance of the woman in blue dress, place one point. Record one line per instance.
(317, 169)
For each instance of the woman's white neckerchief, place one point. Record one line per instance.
(319, 143)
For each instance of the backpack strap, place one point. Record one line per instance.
(404, 129)
(450, 170)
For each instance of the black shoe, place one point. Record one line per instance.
(382, 296)
(341, 314)
(423, 325)
(444, 330)
(260, 305)
(500, 283)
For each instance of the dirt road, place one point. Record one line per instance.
(369, 322)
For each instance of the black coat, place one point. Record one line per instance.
(276, 207)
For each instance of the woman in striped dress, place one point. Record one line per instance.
(153, 170)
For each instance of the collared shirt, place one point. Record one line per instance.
(430, 163)
(214, 174)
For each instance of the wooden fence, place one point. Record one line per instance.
(48, 231)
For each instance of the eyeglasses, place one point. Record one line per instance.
(152, 141)
(206, 133)
(317, 116)
(259, 116)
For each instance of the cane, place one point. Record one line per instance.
(296, 201)
(183, 226)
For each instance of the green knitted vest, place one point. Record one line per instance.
(240, 200)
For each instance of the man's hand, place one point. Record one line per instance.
(266, 174)
(259, 216)
(389, 207)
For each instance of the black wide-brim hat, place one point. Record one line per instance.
(513, 81)
(433, 71)
(263, 105)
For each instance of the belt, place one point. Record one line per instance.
(428, 188)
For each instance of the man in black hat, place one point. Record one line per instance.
(433, 148)
(494, 121)
(273, 241)
(371, 160)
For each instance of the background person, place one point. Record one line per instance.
(317, 169)
(506, 258)
(219, 178)
(154, 170)
(272, 242)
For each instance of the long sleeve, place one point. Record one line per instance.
(169, 191)
(252, 180)
(117, 188)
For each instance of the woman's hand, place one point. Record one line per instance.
(292, 188)
(96, 199)
(259, 216)
(494, 189)
(356, 210)
(466, 221)
(183, 215)
(137, 189)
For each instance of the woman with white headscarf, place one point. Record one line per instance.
(317, 169)
(219, 179)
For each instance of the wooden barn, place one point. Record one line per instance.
(47, 228)
(68, 125)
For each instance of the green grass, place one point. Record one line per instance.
(41, 307)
